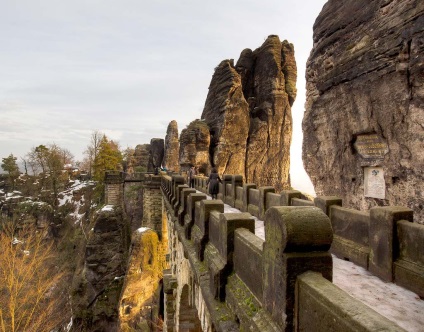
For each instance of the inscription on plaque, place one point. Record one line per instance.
(374, 184)
(371, 146)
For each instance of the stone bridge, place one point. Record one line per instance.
(224, 277)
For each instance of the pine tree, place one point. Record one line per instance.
(11, 167)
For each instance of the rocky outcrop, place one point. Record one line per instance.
(141, 158)
(248, 110)
(139, 307)
(172, 148)
(156, 153)
(270, 90)
(194, 147)
(365, 80)
(98, 281)
(227, 114)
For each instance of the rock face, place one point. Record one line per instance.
(140, 294)
(365, 76)
(271, 91)
(98, 282)
(141, 158)
(227, 114)
(156, 153)
(194, 147)
(248, 110)
(172, 148)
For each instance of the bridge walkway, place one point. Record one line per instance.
(390, 300)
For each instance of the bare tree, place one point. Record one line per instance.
(29, 282)
(93, 149)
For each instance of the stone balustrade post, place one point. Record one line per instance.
(262, 200)
(183, 204)
(297, 239)
(177, 198)
(287, 195)
(191, 212)
(383, 237)
(237, 181)
(246, 188)
(219, 251)
(176, 181)
(324, 203)
(200, 230)
(223, 186)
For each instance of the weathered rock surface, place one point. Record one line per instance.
(140, 295)
(98, 282)
(248, 110)
(172, 148)
(156, 153)
(141, 158)
(227, 114)
(365, 75)
(194, 147)
(270, 94)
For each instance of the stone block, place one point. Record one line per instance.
(296, 240)
(190, 214)
(287, 195)
(246, 195)
(322, 306)
(201, 222)
(248, 249)
(183, 204)
(324, 203)
(263, 191)
(177, 199)
(383, 238)
(238, 203)
(219, 254)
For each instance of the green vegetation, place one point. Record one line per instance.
(11, 167)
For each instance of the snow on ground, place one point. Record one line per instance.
(142, 229)
(392, 301)
(400, 305)
(67, 195)
(107, 208)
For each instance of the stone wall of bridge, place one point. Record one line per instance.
(236, 281)
(384, 240)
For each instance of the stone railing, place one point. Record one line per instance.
(240, 282)
(383, 240)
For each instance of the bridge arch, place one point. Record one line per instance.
(188, 320)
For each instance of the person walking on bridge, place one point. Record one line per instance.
(213, 183)
(192, 172)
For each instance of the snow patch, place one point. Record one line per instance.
(16, 241)
(142, 229)
(107, 208)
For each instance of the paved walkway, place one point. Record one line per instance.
(392, 301)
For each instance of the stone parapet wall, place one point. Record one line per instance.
(390, 255)
(239, 282)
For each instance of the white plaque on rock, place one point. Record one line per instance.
(375, 186)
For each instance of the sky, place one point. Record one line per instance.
(129, 67)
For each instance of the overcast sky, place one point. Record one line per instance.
(129, 67)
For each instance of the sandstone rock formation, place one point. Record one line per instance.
(172, 148)
(227, 114)
(141, 158)
(156, 153)
(365, 76)
(194, 147)
(140, 295)
(248, 110)
(98, 282)
(271, 91)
